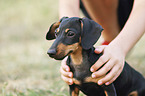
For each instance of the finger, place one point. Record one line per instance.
(64, 61)
(65, 73)
(102, 60)
(111, 81)
(69, 81)
(115, 77)
(111, 76)
(99, 49)
(106, 68)
(64, 66)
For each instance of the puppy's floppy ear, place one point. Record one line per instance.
(63, 18)
(51, 32)
(90, 33)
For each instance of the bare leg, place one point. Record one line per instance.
(105, 13)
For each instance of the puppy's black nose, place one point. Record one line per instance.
(51, 52)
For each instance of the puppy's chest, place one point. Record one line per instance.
(80, 71)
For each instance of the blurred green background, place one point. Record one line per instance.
(25, 68)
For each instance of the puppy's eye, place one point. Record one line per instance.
(70, 34)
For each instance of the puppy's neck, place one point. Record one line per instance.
(76, 56)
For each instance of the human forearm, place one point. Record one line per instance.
(114, 54)
(68, 8)
(133, 29)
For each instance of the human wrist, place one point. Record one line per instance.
(118, 45)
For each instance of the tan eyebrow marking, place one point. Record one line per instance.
(66, 30)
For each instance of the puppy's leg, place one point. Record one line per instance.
(74, 91)
(110, 90)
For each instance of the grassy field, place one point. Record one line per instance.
(25, 68)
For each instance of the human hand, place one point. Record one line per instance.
(66, 75)
(113, 58)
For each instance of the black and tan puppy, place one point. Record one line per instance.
(75, 38)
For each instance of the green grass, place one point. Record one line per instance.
(25, 68)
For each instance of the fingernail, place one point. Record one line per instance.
(67, 69)
(70, 82)
(98, 49)
(99, 82)
(70, 75)
(93, 76)
(107, 83)
(92, 70)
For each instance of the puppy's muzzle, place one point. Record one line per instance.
(51, 52)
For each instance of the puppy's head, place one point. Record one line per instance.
(71, 33)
